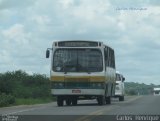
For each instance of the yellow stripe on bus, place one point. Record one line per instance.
(79, 78)
(97, 78)
(57, 78)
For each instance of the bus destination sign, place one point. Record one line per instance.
(77, 44)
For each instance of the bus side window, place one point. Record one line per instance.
(114, 66)
(109, 57)
(112, 59)
(106, 56)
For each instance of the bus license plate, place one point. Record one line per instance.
(76, 91)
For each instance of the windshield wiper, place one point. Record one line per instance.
(84, 69)
(87, 70)
(69, 67)
(64, 69)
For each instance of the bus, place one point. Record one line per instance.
(119, 90)
(82, 69)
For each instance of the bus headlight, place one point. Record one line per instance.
(93, 85)
(97, 85)
(58, 85)
(100, 85)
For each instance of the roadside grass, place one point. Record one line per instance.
(32, 101)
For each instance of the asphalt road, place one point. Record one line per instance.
(88, 110)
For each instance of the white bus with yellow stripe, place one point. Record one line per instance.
(82, 70)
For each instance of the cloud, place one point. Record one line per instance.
(14, 4)
(29, 27)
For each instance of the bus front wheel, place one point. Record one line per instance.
(68, 101)
(121, 98)
(59, 100)
(74, 101)
(101, 100)
(108, 100)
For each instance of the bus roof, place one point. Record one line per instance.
(77, 40)
(79, 43)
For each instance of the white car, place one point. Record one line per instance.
(119, 90)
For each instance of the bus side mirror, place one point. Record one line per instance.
(47, 53)
(123, 79)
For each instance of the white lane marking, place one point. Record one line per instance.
(92, 115)
(15, 112)
(131, 100)
(21, 111)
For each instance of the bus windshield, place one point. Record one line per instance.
(77, 60)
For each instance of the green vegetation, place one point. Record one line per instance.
(18, 87)
(132, 88)
(31, 101)
(6, 100)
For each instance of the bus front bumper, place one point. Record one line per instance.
(77, 91)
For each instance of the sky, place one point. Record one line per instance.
(131, 27)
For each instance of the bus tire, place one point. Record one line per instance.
(68, 101)
(59, 100)
(121, 98)
(74, 101)
(108, 100)
(101, 100)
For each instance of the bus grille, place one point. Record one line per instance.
(77, 82)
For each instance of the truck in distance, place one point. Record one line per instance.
(156, 91)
